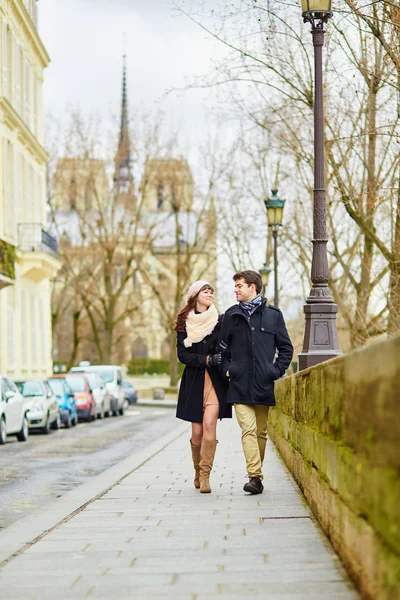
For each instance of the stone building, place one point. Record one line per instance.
(163, 204)
(28, 253)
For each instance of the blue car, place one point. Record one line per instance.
(66, 401)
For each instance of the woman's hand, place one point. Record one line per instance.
(214, 360)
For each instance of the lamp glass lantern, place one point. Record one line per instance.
(316, 9)
(265, 272)
(274, 206)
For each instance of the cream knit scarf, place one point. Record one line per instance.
(198, 326)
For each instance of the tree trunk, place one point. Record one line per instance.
(394, 285)
(75, 338)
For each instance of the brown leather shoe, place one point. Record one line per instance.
(254, 486)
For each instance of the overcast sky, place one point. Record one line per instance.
(85, 39)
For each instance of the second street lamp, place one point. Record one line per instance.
(264, 272)
(320, 335)
(274, 206)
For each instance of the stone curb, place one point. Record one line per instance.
(17, 538)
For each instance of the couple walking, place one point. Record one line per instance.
(230, 360)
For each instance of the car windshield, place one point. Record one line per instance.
(94, 382)
(30, 388)
(107, 374)
(77, 384)
(127, 384)
(56, 385)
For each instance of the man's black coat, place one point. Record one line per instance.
(251, 344)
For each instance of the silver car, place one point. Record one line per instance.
(100, 395)
(40, 404)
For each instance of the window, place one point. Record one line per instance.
(33, 332)
(18, 78)
(72, 193)
(30, 388)
(27, 93)
(77, 384)
(10, 327)
(42, 333)
(24, 341)
(160, 195)
(4, 52)
(28, 193)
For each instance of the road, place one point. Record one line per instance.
(36, 472)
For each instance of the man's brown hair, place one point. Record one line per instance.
(250, 277)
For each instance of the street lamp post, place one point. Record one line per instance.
(274, 206)
(264, 272)
(320, 335)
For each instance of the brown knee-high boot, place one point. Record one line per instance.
(207, 454)
(196, 463)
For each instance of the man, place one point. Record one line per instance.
(251, 333)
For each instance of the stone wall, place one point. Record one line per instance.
(337, 426)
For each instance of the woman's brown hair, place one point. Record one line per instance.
(180, 321)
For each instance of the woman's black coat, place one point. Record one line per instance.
(249, 356)
(191, 391)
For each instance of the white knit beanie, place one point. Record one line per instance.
(196, 287)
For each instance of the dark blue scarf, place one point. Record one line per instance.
(250, 307)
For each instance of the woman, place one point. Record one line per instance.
(202, 393)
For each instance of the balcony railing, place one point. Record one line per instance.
(32, 237)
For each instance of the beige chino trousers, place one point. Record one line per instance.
(253, 419)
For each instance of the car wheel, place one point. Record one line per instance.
(46, 428)
(3, 431)
(100, 415)
(121, 410)
(57, 423)
(74, 421)
(22, 435)
(68, 422)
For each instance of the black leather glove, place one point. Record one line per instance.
(214, 360)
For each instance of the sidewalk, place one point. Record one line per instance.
(140, 530)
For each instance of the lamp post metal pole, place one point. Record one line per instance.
(276, 289)
(320, 336)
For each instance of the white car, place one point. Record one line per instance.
(41, 405)
(112, 376)
(100, 395)
(13, 419)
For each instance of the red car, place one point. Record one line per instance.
(84, 400)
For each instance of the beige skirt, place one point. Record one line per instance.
(210, 396)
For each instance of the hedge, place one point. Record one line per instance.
(160, 366)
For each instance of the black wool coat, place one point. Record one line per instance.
(191, 391)
(249, 357)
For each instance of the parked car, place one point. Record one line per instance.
(13, 419)
(85, 404)
(131, 394)
(112, 376)
(41, 405)
(66, 401)
(101, 395)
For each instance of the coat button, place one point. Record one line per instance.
(262, 328)
(253, 328)
(204, 342)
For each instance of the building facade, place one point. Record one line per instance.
(28, 253)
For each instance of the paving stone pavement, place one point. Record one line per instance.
(152, 535)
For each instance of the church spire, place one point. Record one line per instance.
(123, 177)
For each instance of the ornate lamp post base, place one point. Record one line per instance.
(320, 336)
